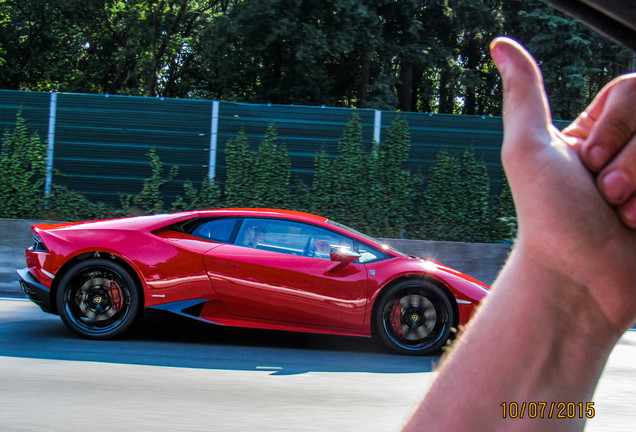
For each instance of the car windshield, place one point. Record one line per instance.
(361, 234)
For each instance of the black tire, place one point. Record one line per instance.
(98, 299)
(414, 317)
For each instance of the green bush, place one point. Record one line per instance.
(67, 205)
(392, 189)
(271, 172)
(257, 179)
(208, 197)
(475, 199)
(506, 216)
(456, 202)
(239, 161)
(440, 213)
(150, 200)
(341, 191)
(22, 172)
(368, 189)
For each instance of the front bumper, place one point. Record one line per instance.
(37, 293)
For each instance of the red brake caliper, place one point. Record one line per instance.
(396, 318)
(114, 291)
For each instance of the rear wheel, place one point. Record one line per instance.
(97, 299)
(414, 317)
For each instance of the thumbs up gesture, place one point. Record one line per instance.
(574, 190)
(568, 290)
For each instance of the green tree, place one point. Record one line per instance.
(150, 200)
(22, 172)
(391, 188)
(575, 60)
(322, 183)
(440, 209)
(136, 47)
(207, 197)
(475, 194)
(411, 55)
(67, 205)
(285, 51)
(506, 222)
(239, 161)
(271, 172)
(260, 179)
(455, 205)
(349, 170)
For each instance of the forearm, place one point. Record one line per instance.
(531, 342)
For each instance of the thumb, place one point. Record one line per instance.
(526, 115)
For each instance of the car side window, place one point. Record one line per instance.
(220, 230)
(289, 237)
(369, 254)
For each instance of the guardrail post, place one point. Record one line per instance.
(214, 137)
(377, 126)
(51, 144)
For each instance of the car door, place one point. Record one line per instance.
(280, 270)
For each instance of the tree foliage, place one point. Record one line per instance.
(271, 172)
(409, 55)
(150, 200)
(208, 196)
(349, 197)
(456, 203)
(439, 214)
(22, 171)
(239, 161)
(257, 179)
(366, 187)
(392, 188)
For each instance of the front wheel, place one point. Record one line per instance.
(414, 318)
(97, 299)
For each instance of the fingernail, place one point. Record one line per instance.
(616, 185)
(598, 157)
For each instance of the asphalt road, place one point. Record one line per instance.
(178, 376)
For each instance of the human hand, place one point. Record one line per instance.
(606, 132)
(567, 225)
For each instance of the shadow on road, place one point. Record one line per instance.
(25, 331)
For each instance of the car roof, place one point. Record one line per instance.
(262, 212)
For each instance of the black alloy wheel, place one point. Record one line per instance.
(414, 317)
(97, 299)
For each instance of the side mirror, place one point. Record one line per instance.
(343, 255)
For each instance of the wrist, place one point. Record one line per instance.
(562, 297)
(554, 321)
(595, 290)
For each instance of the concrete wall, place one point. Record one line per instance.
(483, 261)
(479, 260)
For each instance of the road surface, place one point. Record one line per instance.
(177, 376)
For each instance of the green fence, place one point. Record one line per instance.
(97, 143)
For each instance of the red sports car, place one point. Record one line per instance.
(259, 268)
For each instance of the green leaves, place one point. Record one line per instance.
(271, 172)
(258, 179)
(239, 161)
(407, 55)
(366, 187)
(149, 199)
(456, 202)
(22, 172)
